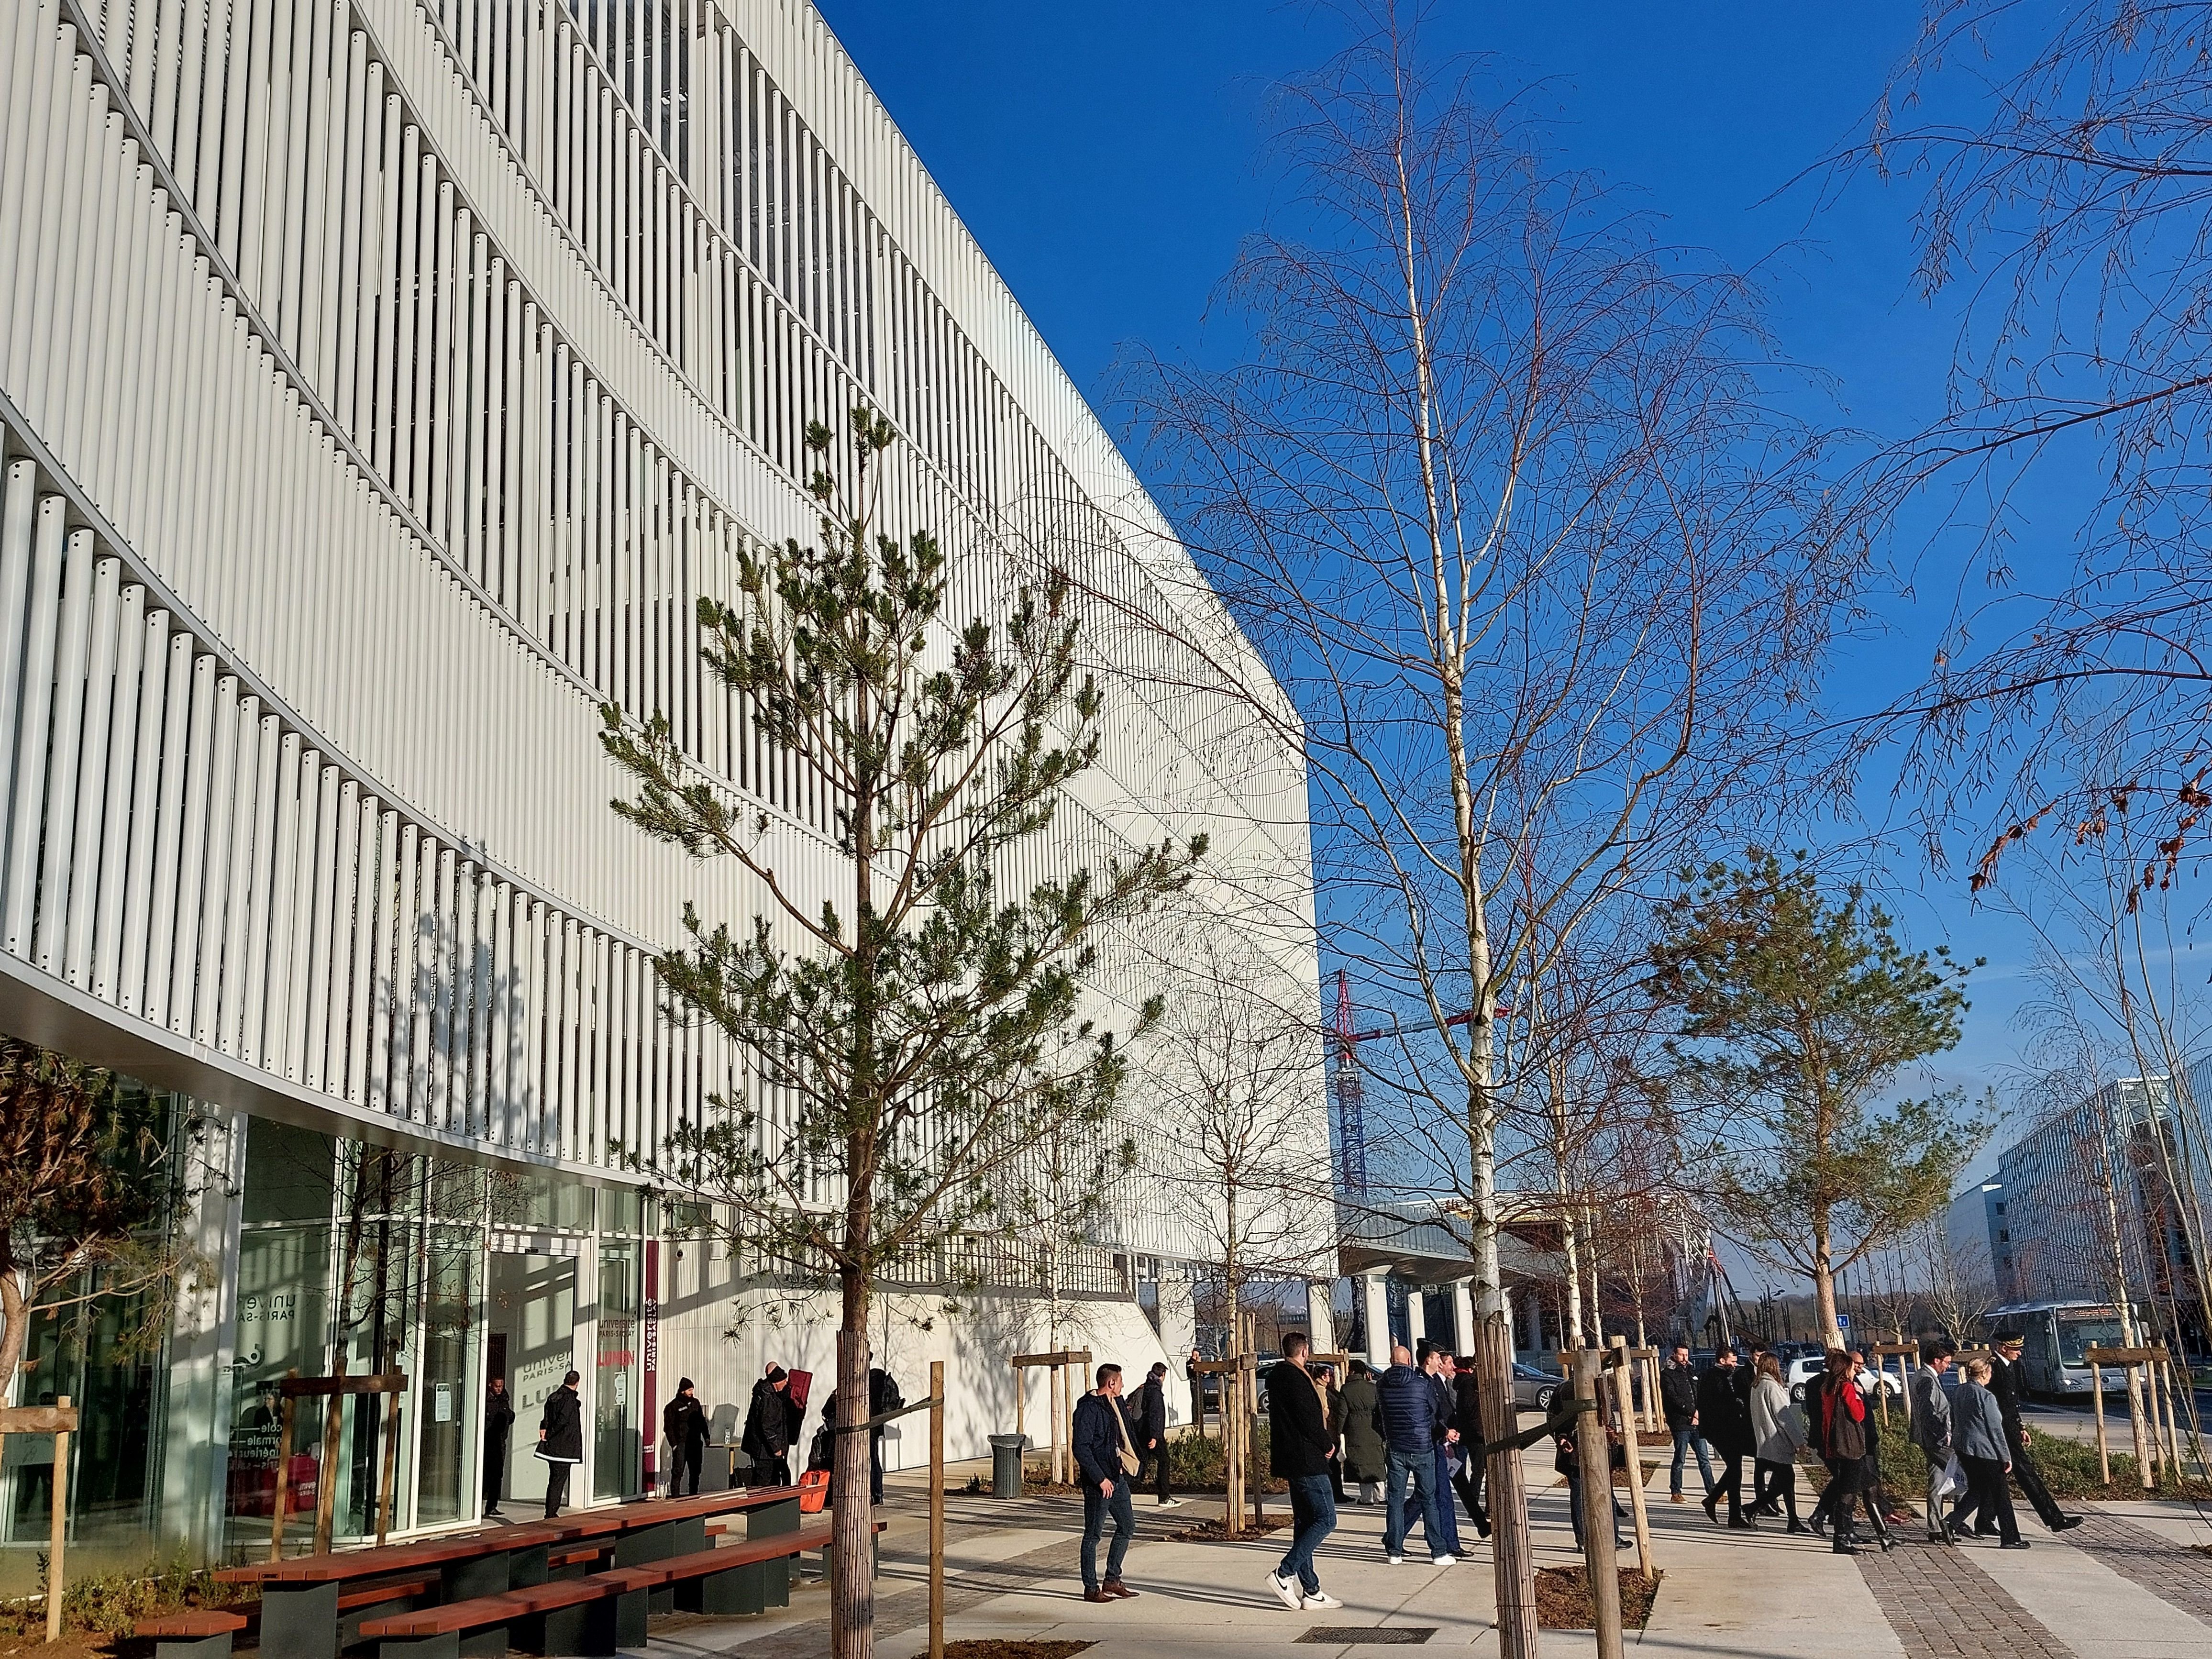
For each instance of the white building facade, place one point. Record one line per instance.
(381, 382)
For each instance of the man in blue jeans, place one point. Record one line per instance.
(1101, 1437)
(1410, 1430)
(1678, 1398)
(1299, 1448)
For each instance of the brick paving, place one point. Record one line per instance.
(2173, 1572)
(1939, 1602)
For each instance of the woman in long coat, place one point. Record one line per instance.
(1365, 1458)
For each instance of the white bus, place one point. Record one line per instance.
(2057, 1337)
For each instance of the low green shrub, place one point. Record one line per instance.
(110, 1603)
(2070, 1469)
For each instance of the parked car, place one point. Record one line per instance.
(1805, 1367)
(1531, 1389)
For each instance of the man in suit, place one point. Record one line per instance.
(2007, 1384)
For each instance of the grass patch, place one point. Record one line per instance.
(2070, 1470)
(1563, 1600)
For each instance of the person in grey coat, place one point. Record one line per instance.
(1931, 1428)
(1978, 1430)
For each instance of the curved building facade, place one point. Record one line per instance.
(381, 381)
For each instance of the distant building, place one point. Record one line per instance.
(1980, 1242)
(2085, 1202)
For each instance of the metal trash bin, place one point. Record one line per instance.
(1006, 1451)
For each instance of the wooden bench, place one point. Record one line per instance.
(196, 1633)
(604, 1612)
(369, 1600)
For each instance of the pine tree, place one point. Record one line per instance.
(1799, 1014)
(922, 1035)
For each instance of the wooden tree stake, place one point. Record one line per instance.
(937, 1508)
(1593, 1453)
(60, 1536)
(2104, 1447)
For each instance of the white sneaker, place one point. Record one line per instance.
(1170, 1503)
(1443, 1560)
(1321, 1599)
(1395, 1560)
(1286, 1590)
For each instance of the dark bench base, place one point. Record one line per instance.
(205, 1647)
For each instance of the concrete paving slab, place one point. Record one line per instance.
(2087, 1605)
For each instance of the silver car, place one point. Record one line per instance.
(1533, 1389)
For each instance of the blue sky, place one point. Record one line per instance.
(1109, 159)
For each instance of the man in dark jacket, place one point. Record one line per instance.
(1467, 1418)
(1100, 1438)
(561, 1441)
(2007, 1384)
(1301, 1448)
(498, 1422)
(1678, 1398)
(1436, 1365)
(1726, 1421)
(884, 1395)
(769, 1429)
(1147, 1411)
(1410, 1429)
(684, 1426)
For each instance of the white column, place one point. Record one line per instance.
(1375, 1306)
(1321, 1322)
(1417, 1318)
(1536, 1326)
(1462, 1297)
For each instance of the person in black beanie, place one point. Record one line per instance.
(683, 1426)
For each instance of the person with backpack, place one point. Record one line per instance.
(884, 1396)
(683, 1426)
(1147, 1411)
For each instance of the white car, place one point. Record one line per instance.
(1800, 1371)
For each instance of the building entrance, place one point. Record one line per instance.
(531, 1342)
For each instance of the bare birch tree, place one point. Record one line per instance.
(1496, 482)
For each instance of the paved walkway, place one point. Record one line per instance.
(2126, 1586)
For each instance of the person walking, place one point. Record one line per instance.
(1301, 1448)
(1333, 1395)
(1777, 1438)
(1366, 1452)
(770, 1426)
(1726, 1421)
(1839, 1415)
(498, 1425)
(1678, 1400)
(1147, 1412)
(1566, 1460)
(1977, 1428)
(1105, 1463)
(1197, 1391)
(684, 1426)
(1466, 1419)
(2006, 1384)
(1411, 1431)
(561, 1441)
(1437, 1365)
(1930, 1428)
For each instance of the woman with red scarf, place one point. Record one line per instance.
(1839, 1413)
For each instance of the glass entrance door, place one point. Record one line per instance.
(531, 1334)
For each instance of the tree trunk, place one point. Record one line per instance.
(852, 1533)
(14, 1328)
(1513, 1559)
(1823, 1290)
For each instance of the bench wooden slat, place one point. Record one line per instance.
(480, 1611)
(368, 1596)
(192, 1622)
